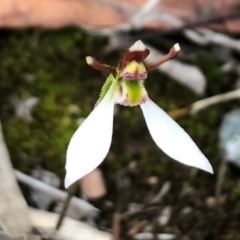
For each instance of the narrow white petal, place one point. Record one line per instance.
(171, 138)
(91, 142)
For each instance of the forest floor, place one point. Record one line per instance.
(50, 65)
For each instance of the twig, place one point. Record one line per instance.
(220, 179)
(204, 103)
(71, 229)
(158, 236)
(137, 227)
(141, 17)
(116, 228)
(179, 112)
(163, 191)
(200, 23)
(78, 205)
(201, 36)
(220, 39)
(198, 106)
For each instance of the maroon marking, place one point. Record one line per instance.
(134, 76)
(129, 56)
(124, 103)
(120, 91)
(144, 99)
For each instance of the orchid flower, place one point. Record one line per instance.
(125, 85)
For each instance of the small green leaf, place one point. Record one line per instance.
(106, 86)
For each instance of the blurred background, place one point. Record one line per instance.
(47, 90)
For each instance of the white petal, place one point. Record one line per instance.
(91, 142)
(172, 139)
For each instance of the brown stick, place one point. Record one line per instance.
(179, 112)
(116, 228)
(205, 103)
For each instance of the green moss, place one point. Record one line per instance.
(53, 68)
(211, 69)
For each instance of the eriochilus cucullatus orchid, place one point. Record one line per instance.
(125, 85)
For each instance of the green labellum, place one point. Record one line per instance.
(133, 92)
(128, 93)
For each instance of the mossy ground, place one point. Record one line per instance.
(51, 65)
